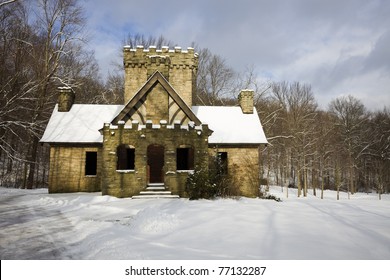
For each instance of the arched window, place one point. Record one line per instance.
(126, 157)
(185, 158)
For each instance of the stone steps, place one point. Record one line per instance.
(155, 191)
(155, 196)
(156, 188)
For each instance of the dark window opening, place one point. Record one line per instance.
(223, 162)
(126, 158)
(185, 159)
(90, 163)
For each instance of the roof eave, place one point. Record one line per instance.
(51, 143)
(235, 144)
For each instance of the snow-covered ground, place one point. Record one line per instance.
(38, 225)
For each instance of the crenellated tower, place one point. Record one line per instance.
(178, 66)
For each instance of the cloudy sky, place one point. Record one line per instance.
(339, 47)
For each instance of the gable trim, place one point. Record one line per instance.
(156, 77)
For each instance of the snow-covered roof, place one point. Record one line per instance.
(230, 125)
(80, 125)
(83, 122)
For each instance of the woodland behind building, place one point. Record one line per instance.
(43, 46)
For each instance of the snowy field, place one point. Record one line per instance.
(38, 225)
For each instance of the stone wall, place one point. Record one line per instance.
(67, 169)
(243, 167)
(178, 67)
(245, 99)
(156, 104)
(66, 97)
(126, 183)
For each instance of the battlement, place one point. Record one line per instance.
(164, 49)
(177, 65)
(144, 57)
(150, 125)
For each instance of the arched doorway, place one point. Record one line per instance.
(155, 163)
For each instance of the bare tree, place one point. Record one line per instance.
(134, 40)
(15, 80)
(350, 122)
(59, 25)
(324, 147)
(215, 80)
(6, 2)
(299, 109)
(38, 54)
(378, 157)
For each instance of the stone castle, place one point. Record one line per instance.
(148, 146)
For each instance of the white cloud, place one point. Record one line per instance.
(337, 46)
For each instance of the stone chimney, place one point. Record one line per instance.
(66, 98)
(245, 99)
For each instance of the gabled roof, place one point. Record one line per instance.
(130, 108)
(230, 125)
(80, 125)
(83, 122)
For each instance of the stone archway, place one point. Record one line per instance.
(155, 155)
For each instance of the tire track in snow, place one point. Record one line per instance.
(28, 231)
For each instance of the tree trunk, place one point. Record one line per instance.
(304, 181)
(299, 182)
(268, 171)
(351, 175)
(25, 169)
(32, 162)
(313, 181)
(338, 182)
(286, 177)
(322, 184)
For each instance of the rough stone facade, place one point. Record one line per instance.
(155, 138)
(125, 183)
(177, 66)
(66, 98)
(67, 169)
(246, 101)
(243, 167)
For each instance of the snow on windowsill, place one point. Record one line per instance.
(185, 171)
(126, 171)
